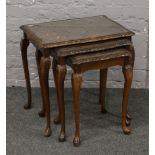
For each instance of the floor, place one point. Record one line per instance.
(101, 134)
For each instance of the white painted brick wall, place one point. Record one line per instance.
(132, 14)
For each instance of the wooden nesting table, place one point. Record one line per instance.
(62, 40)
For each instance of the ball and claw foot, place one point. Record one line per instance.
(62, 137)
(47, 132)
(27, 106)
(126, 131)
(76, 141)
(41, 113)
(104, 111)
(57, 120)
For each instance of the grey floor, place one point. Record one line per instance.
(100, 134)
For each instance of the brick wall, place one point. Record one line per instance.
(132, 14)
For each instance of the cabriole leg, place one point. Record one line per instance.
(24, 43)
(76, 86)
(61, 73)
(54, 66)
(45, 63)
(38, 58)
(128, 74)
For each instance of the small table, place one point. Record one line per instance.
(119, 56)
(64, 35)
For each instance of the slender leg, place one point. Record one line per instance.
(76, 85)
(54, 66)
(128, 73)
(24, 45)
(132, 59)
(103, 80)
(61, 72)
(38, 58)
(44, 73)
